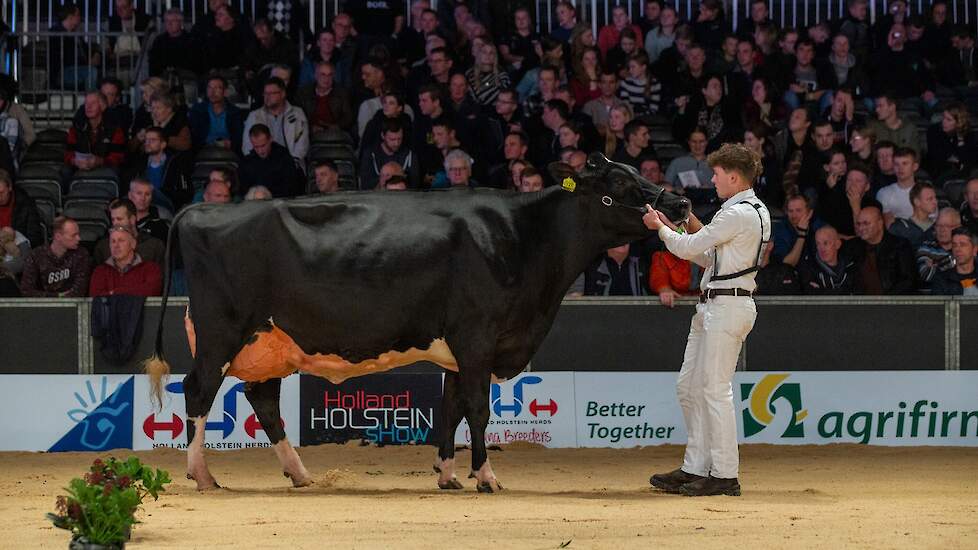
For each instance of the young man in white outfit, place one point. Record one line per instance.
(729, 248)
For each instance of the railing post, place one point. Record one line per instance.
(86, 357)
(594, 16)
(952, 334)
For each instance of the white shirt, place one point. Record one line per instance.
(895, 200)
(734, 234)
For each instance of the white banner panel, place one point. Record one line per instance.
(231, 422)
(67, 412)
(625, 409)
(875, 408)
(533, 407)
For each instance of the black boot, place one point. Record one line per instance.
(672, 481)
(708, 486)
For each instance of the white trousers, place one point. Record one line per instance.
(716, 336)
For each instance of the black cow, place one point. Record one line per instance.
(359, 282)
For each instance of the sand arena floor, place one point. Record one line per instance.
(841, 496)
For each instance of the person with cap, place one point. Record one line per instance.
(729, 248)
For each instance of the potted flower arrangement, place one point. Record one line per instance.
(100, 509)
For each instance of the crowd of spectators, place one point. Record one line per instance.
(864, 130)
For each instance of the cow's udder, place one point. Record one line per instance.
(274, 354)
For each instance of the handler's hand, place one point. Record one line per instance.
(652, 218)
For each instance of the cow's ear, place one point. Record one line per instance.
(564, 175)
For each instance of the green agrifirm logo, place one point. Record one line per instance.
(759, 413)
(923, 419)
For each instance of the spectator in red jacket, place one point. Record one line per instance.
(610, 34)
(125, 272)
(92, 141)
(671, 277)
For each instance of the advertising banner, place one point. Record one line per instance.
(535, 408)
(555, 409)
(622, 409)
(382, 408)
(66, 412)
(874, 408)
(231, 422)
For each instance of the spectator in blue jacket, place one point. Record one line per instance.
(217, 120)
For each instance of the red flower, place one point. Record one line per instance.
(94, 478)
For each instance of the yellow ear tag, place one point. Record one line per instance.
(569, 184)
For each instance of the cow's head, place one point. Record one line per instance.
(620, 189)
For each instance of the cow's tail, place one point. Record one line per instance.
(157, 366)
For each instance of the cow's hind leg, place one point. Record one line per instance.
(199, 389)
(264, 398)
(475, 396)
(451, 415)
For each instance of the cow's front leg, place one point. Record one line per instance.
(451, 415)
(475, 395)
(264, 398)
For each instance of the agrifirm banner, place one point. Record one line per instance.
(385, 408)
(231, 422)
(875, 408)
(533, 407)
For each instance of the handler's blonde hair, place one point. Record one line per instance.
(737, 157)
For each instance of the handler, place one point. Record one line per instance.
(729, 248)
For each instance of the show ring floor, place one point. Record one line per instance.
(838, 496)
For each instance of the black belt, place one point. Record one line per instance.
(714, 292)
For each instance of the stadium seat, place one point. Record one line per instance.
(660, 134)
(42, 189)
(332, 151)
(954, 191)
(98, 174)
(331, 135)
(48, 212)
(45, 156)
(667, 152)
(52, 136)
(38, 172)
(44, 152)
(91, 231)
(102, 189)
(216, 156)
(46, 231)
(87, 209)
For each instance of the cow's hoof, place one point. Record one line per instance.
(450, 485)
(298, 481)
(489, 486)
(204, 485)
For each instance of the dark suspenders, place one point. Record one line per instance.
(757, 259)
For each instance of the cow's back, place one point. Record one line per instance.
(355, 273)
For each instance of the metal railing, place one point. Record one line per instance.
(25, 55)
(52, 87)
